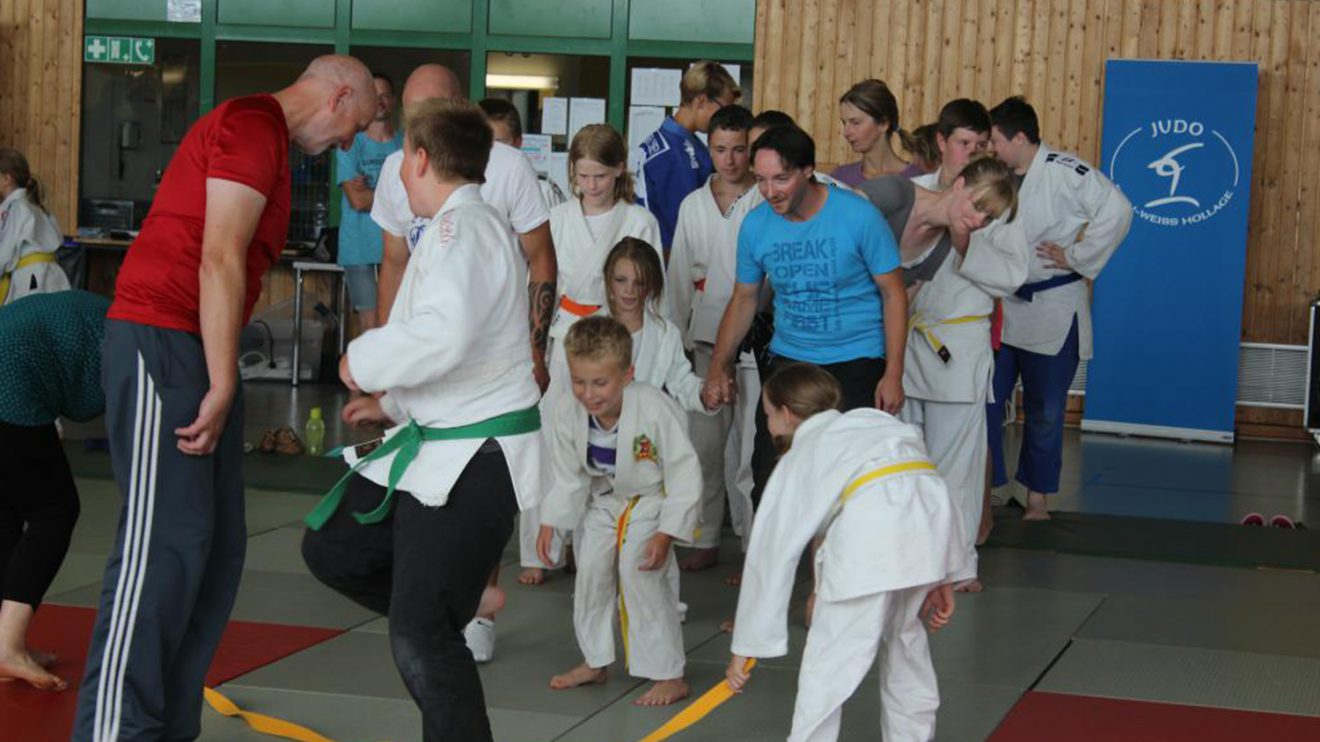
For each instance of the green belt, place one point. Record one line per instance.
(408, 443)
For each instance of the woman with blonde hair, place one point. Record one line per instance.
(960, 250)
(29, 235)
(584, 229)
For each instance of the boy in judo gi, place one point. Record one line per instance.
(892, 543)
(621, 465)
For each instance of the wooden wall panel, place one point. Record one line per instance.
(41, 94)
(1053, 51)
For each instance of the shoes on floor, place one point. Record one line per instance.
(1282, 521)
(1253, 519)
(281, 440)
(480, 636)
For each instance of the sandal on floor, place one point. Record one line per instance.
(286, 442)
(267, 444)
(1253, 519)
(1282, 521)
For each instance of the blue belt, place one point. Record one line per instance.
(1028, 290)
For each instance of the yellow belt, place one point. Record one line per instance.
(927, 329)
(881, 473)
(621, 535)
(35, 258)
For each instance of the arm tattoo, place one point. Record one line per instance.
(541, 309)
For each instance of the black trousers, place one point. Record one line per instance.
(38, 509)
(858, 378)
(426, 567)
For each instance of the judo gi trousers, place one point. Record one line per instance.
(614, 538)
(173, 574)
(954, 437)
(858, 378)
(844, 642)
(1045, 383)
(429, 566)
(723, 442)
(38, 510)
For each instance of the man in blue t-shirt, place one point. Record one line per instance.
(832, 263)
(360, 244)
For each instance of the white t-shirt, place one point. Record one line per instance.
(510, 187)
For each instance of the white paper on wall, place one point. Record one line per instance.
(554, 116)
(642, 121)
(656, 87)
(584, 111)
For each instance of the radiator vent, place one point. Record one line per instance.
(1271, 375)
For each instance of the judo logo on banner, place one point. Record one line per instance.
(1177, 172)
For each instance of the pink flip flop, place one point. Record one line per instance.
(1253, 519)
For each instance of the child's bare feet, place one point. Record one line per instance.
(580, 675)
(23, 666)
(699, 559)
(531, 576)
(1036, 507)
(734, 579)
(664, 692)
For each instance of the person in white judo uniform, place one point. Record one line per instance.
(623, 467)
(960, 249)
(893, 541)
(584, 229)
(702, 264)
(452, 370)
(1073, 219)
(962, 131)
(29, 235)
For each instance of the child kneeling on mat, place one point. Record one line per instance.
(893, 545)
(623, 467)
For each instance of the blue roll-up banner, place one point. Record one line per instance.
(1178, 140)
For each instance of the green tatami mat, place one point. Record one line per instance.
(1159, 539)
(267, 471)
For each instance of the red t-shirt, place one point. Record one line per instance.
(245, 140)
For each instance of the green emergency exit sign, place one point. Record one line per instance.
(119, 50)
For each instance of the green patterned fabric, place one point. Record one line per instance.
(50, 358)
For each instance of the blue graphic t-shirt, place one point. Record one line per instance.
(827, 306)
(359, 237)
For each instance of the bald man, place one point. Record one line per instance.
(511, 187)
(174, 406)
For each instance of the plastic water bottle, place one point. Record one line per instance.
(315, 433)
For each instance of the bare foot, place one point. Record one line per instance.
(1036, 507)
(664, 692)
(734, 579)
(969, 586)
(811, 608)
(24, 667)
(727, 625)
(531, 576)
(580, 675)
(699, 559)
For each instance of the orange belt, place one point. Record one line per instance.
(699, 284)
(581, 310)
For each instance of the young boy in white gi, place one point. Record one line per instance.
(623, 467)
(1073, 218)
(455, 367)
(893, 541)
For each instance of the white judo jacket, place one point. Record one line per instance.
(896, 531)
(455, 350)
(26, 230)
(581, 256)
(655, 458)
(1066, 201)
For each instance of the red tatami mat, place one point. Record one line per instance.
(28, 715)
(1050, 717)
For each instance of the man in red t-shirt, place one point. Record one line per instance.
(174, 408)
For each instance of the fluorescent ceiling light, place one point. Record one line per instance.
(522, 82)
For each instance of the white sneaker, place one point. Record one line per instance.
(480, 637)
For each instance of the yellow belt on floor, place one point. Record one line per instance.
(927, 329)
(698, 709)
(620, 535)
(23, 262)
(260, 722)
